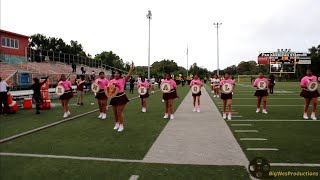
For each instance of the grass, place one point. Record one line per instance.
(26, 119)
(38, 169)
(297, 141)
(90, 136)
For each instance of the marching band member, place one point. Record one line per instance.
(144, 97)
(131, 84)
(272, 82)
(80, 89)
(212, 85)
(261, 92)
(36, 87)
(101, 95)
(197, 81)
(3, 97)
(227, 98)
(68, 94)
(152, 81)
(169, 97)
(308, 95)
(216, 81)
(120, 100)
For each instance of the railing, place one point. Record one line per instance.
(9, 77)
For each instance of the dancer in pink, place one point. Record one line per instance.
(68, 94)
(144, 97)
(226, 96)
(101, 95)
(261, 84)
(309, 96)
(196, 81)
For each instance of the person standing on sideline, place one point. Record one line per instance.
(83, 71)
(261, 93)
(80, 90)
(272, 82)
(309, 96)
(196, 81)
(4, 97)
(152, 82)
(36, 87)
(131, 84)
(120, 100)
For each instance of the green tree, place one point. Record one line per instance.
(111, 59)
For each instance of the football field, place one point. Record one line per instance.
(88, 148)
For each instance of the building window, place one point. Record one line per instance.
(9, 43)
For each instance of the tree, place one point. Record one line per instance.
(247, 68)
(111, 59)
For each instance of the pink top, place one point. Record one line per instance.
(255, 83)
(196, 82)
(119, 83)
(171, 82)
(306, 80)
(66, 84)
(222, 82)
(145, 84)
(102, 82)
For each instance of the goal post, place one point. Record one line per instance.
(247, 78)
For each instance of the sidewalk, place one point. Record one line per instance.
(197, 138)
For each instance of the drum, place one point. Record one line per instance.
(95, 87)
(262, 85)
(165, 87)
(227, 88)
(60, 90)
(312, 86)
(27, 103)
(195, 89)
(142, 90)
(111, 91)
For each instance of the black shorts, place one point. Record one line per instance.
(101, 95)
(171, 95)
(261, 93)
(119, 99)
(226, 96)
(308, 95)
(198, 94)
(145, 96)
(66, 96)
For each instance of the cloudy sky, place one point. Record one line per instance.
(248, 27)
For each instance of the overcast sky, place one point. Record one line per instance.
(248, 26)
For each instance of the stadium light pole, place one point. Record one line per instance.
(149, 16)
(217, 25)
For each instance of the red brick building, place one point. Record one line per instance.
(13, 46)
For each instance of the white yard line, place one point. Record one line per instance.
(246, 131)
(241, 124)
(133, 177)
(274, 120)
(282, 105)
(237, 116)
(253, 139)
(268, 98)
(295, 164)
(262, 149)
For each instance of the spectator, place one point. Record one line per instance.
(131, 84)
(83, 71)
(74, 67)
(4, 97)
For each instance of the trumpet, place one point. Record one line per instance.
(79, 81)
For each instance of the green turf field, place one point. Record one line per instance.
(89, 136)
(296, 139)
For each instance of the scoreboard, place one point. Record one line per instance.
(284, 57)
